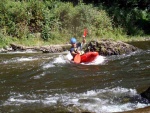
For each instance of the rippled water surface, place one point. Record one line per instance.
(37, 82)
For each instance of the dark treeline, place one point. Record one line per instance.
(132, 15)
(141, 4)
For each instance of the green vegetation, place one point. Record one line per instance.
(38, 22)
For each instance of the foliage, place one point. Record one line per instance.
(57, 21)
(132, 15)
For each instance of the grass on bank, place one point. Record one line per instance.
(38, 41)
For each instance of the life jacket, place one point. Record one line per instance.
(75, 49)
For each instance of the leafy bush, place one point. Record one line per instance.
(56, 20)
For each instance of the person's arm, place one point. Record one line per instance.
(74, 52)
(84, 40)
(84, 35)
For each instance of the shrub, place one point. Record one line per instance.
(56, 20)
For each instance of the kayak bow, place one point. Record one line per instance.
(89, 57)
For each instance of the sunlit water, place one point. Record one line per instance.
(37, 82)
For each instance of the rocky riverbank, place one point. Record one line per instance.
(104, 47)
(45, 49)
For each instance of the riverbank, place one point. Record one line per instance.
(55, 46)
(105, 47)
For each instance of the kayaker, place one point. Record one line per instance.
(76, 48)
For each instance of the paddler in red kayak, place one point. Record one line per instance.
(76, 47)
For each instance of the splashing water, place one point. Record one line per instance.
(99, 60)
(37, 82)
(102, 100)
(65, 59)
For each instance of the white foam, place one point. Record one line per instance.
(38, 76)
(60, 59)
(23, 100)
(26, 59)
(48, 65)
(17, 59)
(69, 56)
(99, 60)
(102, 100)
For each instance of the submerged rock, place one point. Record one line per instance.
(145, 99)
(146, 94)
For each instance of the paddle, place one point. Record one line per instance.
(77, 59)
(85, 32)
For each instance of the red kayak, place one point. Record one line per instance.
(89, 57)
(85, 58)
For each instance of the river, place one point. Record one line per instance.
(49, 83)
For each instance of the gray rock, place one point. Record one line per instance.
(109, 47)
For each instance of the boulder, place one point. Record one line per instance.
(109, 47)
(146, 94)
(16, 47)
(51, 49)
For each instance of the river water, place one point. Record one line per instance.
(49, 83)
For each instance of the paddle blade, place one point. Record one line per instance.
(85, 32)
(77, 59)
